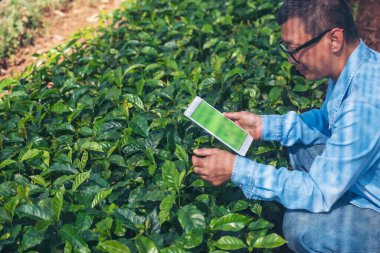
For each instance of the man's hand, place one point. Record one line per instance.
(248, 121)
(213, 165)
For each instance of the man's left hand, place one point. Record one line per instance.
(213, 165)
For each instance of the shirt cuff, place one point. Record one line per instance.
(243, 175)
(271, 127)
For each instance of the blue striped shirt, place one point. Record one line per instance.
(346, 124)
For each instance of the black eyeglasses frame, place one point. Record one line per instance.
(290, 53)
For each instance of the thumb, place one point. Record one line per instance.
(232, 115)
(203, 151)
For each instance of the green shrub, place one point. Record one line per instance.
(95, 150)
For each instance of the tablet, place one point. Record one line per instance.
(219, 126)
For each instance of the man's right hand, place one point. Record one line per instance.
(248, 121)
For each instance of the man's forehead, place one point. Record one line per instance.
(293, 31)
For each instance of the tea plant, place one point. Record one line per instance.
(95, 150)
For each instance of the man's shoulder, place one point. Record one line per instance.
(365, 81)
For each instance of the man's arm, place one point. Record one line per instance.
(309, 128)
(350, 152)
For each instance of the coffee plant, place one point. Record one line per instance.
(94, 147)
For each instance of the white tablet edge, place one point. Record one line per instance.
(247, 143)
(192, 107)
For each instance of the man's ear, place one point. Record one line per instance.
(336, 39)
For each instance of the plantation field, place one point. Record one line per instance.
(94, 146)
(19, 22)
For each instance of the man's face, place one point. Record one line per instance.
(314, 59)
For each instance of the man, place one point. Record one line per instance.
(332, 192)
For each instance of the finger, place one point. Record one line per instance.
(233, 115)
(198, 161)
(203, 151)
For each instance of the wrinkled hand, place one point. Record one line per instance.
(213, 165)
(248, 121)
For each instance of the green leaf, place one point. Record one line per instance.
(113, 94)
(182, 155)
(174, 249)
(6, 163)
(31, 238)
(269, 241)
(39, 180)
(257, 209)
(80, 179)
(230, 243)
(260, 224)
(145, 245)
(275, 93)
(68, 248)
(171, 64)
(207, 28)
(34, 212)
(112, 246)
(139, 125)
(59, 167)
(149, 51)
(69, 233)
(192, 238)
(132, 68)
(230, 222)
(135, 100)
(83, 221)
(83, 161)
(100, 196)
(301, 88)
(60, 107)
(129, 218)
(11, 205)
(118, 160)
(30, 154)
(63, 179)
(233, 72)
(6, 82)
(148, 193)
(171, 176)
(93, 146)
(57, 203)
(165, 207)
(239, 206)
(103, 227)
(190, 217)
(210, 43)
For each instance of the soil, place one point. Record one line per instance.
(59, 26)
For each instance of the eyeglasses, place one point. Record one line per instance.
(290, 53)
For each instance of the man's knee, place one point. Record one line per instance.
(294, 232)
(301, 235)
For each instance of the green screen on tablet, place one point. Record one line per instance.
(219, 125)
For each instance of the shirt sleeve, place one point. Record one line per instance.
(349, 153)
(309, 128)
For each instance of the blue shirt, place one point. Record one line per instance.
(348, 123)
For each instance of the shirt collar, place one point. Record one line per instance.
(339, 89)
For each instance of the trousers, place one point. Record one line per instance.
(345, 228)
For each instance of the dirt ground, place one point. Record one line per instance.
(61, 24)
